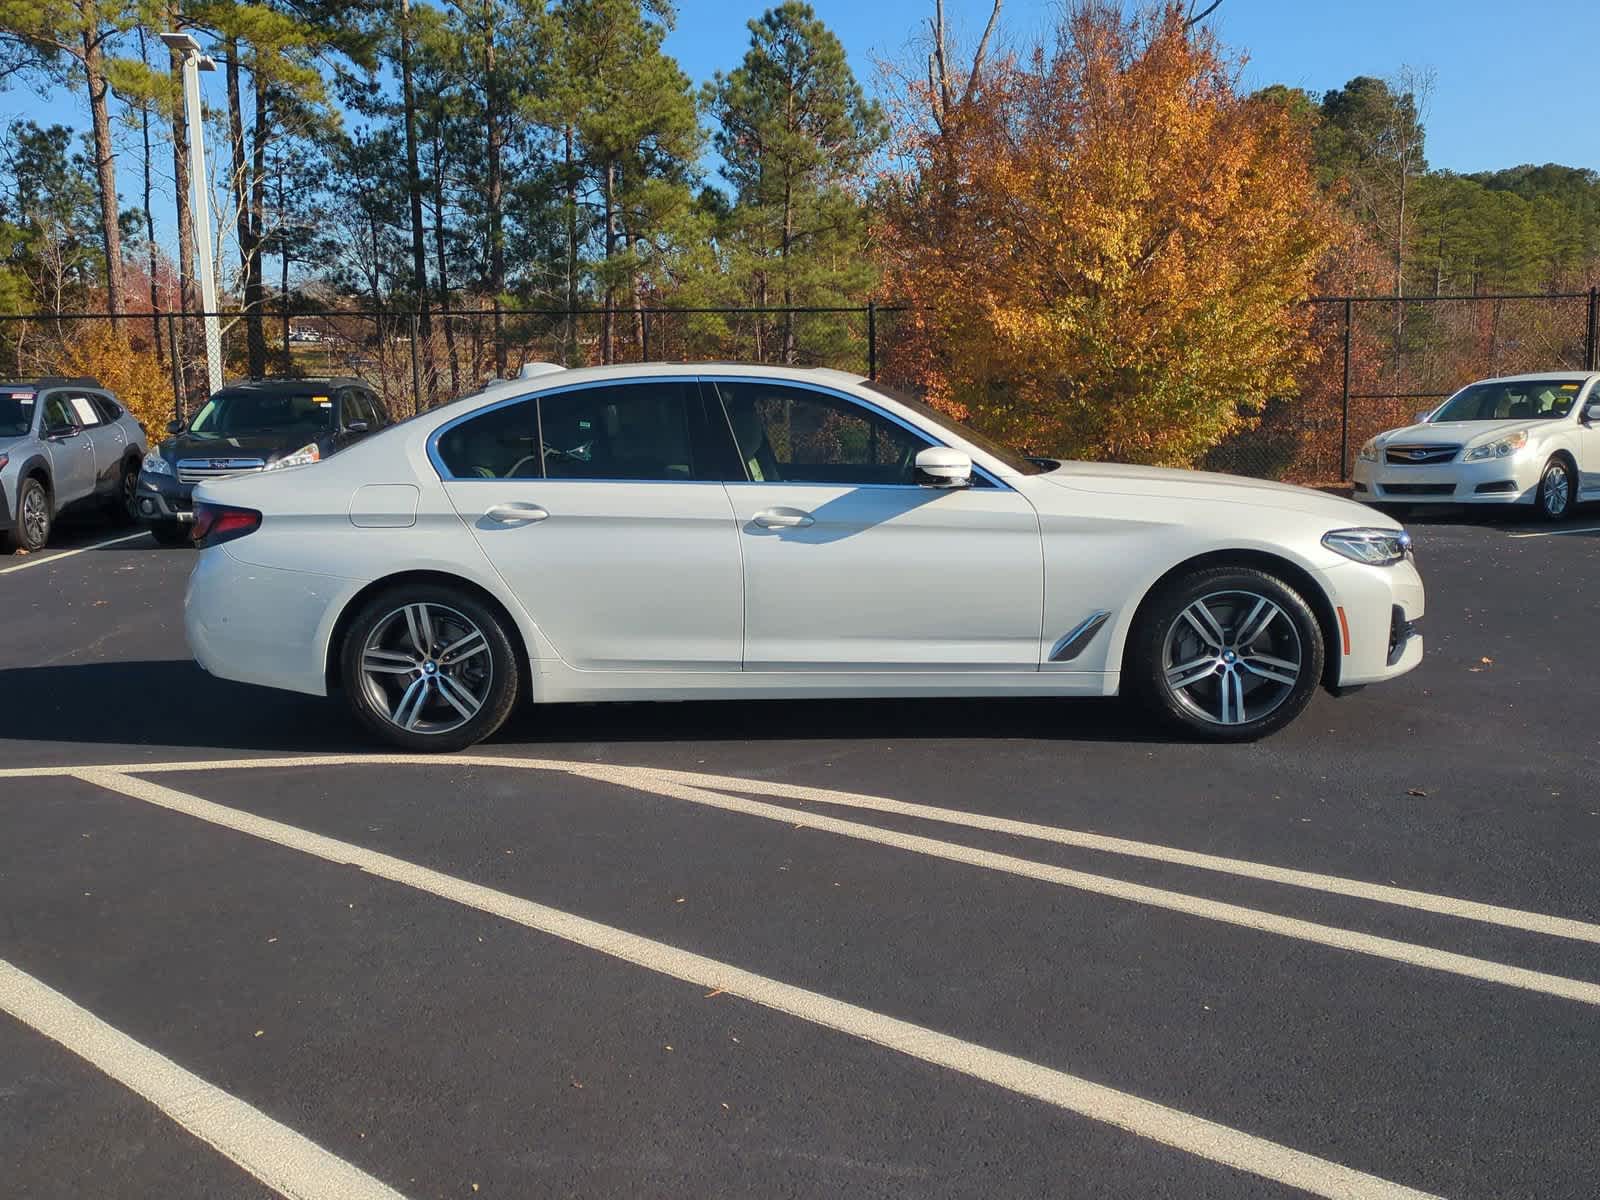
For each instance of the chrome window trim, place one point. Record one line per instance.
(447, 476)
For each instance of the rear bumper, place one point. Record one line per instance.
(262, 625)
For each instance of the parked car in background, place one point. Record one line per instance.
(672, 532)
(1522, 439)
(64, 443)
(247, 427)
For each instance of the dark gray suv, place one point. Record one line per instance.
(64, 443)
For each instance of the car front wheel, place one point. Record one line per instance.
(1558, 490)
(33, 518)
(429, 667)
(1226, 653)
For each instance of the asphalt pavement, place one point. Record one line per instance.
(932, 948)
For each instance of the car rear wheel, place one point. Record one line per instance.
(1558, 490)
(123, 508)
(1226, 653)
(429, 667)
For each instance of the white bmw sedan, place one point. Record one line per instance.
(1523, 439)
(659, 532)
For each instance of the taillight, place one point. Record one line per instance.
(218, 523)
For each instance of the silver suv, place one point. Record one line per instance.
(64, 443)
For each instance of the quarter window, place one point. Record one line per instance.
(795, 435)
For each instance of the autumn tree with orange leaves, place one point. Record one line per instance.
(1102, 241)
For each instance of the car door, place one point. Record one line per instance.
(72, 468)
(602, 508)
(851, 564)
(110, 442)
(1588, 445)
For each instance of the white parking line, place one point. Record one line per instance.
(275, 1154)
(1359, 889)
(1556, 532)
(1168, 1126)
(1118, 889)
(39, 561)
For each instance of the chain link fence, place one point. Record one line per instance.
(1377, 361)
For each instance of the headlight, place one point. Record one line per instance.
(1504, 448)
(1368, 451)
(300, 458)
(1379, 547)
(154, 464)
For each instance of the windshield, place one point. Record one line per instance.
(1021, 463)
(249, 410)
(1534, 400)
(16, 413)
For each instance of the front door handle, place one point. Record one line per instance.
(516, 514)
(784, 518)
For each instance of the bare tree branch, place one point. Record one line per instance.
(983, 45)
(1195, 18)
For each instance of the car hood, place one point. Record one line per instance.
(1179, 486)
(1459, 433)
(266, 446)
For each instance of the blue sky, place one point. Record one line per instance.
(1511, 81)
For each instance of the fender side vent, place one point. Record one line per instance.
(1074, 641)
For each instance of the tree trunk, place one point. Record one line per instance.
(570, 337)
(187, 289)
(497, 242)
(149, 217)
(440, 272)
(608, 320)
(239, 176)
(105, 165)
(408, 96)
(255, 291)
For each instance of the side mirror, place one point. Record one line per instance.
(357, 427)
(57, 432)
(174, 426)
(1422, 417)
(942, 467)
(1591, 412)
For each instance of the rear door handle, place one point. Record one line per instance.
(784, 518)
(516, 514)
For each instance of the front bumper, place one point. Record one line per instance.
(7, 521)
(1510, 480)
(163, 498)
(1377, 610)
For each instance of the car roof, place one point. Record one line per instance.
(1543, 377)
(293, 385)
(551, 376)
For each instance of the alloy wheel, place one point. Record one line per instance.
(1557, 490)
(130, 491)
(35, 517)
(428, 667)
(1232, 657)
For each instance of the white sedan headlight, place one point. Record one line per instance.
(1504, 448)
(302, 457)
(1378, 547)
(154, 464)
(1368, 451)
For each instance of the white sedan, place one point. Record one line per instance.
(1523, 439)
(659, 532)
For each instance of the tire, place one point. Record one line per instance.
(407, 687)
(1558, 490)
(170, 533)
(34, 519)
(122, 508)
(1226, 675)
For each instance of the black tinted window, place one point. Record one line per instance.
(501, 444)
(58, 413)
(107, 407)
(16, 413)
(793, 434)
(355, 408)
(630, 431)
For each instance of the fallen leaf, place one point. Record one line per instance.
(577, 1085)
(718, 992)
(259, 1032)
(679, 900)
(1486, 661)
(1415, 792)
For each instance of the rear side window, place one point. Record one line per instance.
(503, 443)
(108, 408)
(651, 430)
(84, 411)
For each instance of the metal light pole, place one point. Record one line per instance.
(200, 196)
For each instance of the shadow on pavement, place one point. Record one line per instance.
(175, 704)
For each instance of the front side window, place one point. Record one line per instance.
(1540, 399)
(790, 434)
(58, 413)
(630, 431)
